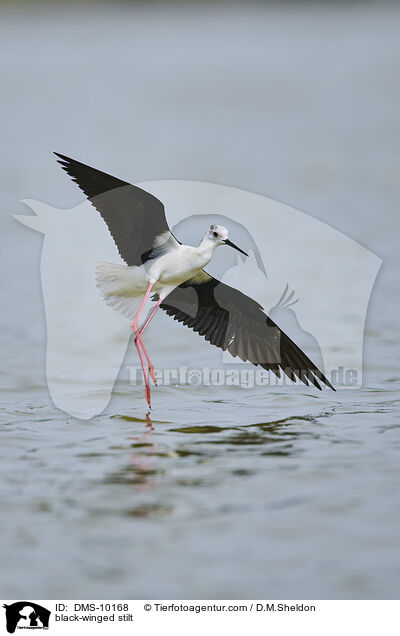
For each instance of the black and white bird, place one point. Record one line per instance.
(157, 262)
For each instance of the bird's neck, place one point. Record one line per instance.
(206, 248)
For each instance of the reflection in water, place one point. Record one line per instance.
(150, 465)
(149, 510)
(140, 472)
(264, 433)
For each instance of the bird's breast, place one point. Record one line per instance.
(177, 266)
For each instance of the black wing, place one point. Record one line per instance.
(136, 219)
(229, 319)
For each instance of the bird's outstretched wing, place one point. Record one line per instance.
(229, 319)
(136, 219)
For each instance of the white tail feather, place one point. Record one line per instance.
(122, 287)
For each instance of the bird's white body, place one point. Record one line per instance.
(120, 285)
(177, 266)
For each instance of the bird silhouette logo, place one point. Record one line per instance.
(24, 615)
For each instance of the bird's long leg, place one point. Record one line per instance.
(146, 379)
(138, 342)
(150, 316)
(141, 330)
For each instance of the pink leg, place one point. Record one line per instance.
(149, 363)
(139, 337)
(150, 316)
(136, 318)
(146, 379)
(138, 342)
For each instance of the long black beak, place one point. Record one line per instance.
(228, 242)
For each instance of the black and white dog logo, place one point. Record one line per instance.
(26, 615)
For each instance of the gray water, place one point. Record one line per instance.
(225, 492)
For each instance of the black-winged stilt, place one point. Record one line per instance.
(156, 261)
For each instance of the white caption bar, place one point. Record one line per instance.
(181, 617)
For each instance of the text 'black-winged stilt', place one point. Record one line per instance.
(156, 261)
